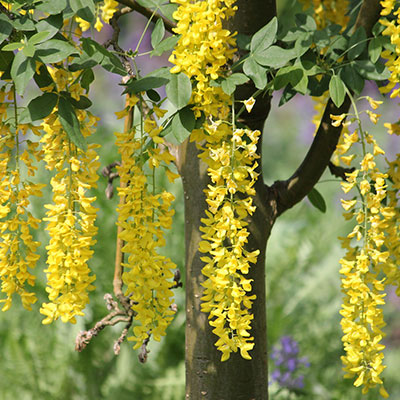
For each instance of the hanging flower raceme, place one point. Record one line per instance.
(390, 8)
(202, 53)
(17, 247)
(143, 215)
(71, 216)
(367, 266)
(227, 298)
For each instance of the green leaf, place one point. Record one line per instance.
(302, 85)
(43, 78)
(153, 95)
(38, 37)
(87, 78)
(310, 67)
(12, 46)
(336, 48)
(165, 45)
(109, 61)
(23, 23)
(158, 33)
(374, 72)
(303, 43)
(321, 39)
(84, 9)
(70, 123)
(378, 28)
(256, 72)
(52, 6)
(357, 43)
(333, 30)
(337, 90)
(51, 24)
(317, 200)
(243, 41)
(265, 37)
(6, 60)
(39, 108)
(287, 95)
(305, 22)
(54, 51)
(286, 75)
(318, 87)
(228, 86)
(275, 57)
(5, 27)
(183, 124)
(375, 49)
(80, 104)
(238, 78)
(168, 10)
(179, 90)
(352, 79)
(29, 50)
(22, 71)
(146, 83)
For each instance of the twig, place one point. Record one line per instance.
(144, 351)
(115, 37)
(339, 172)
(148, 13)
(115, 316)
(108, 173)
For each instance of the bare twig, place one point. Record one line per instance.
(108, 173)
(115, 316)
(114, 40)
(144, 351)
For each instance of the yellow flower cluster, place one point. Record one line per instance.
(393, 57)
(17, 247)
(203, 49)
(202, 53)
(104, 12)
(143, 215)
(71, 217)
(230, 157)
(368, 265)
(327, 12)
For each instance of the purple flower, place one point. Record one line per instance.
(288, 364)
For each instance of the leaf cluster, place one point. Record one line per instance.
(309, 61)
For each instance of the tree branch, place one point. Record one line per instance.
(147, 12)
(293, 190)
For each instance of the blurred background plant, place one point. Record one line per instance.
(304, 297)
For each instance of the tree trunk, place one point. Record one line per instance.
(206, 376)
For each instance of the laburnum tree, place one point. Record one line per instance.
(226, 59)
